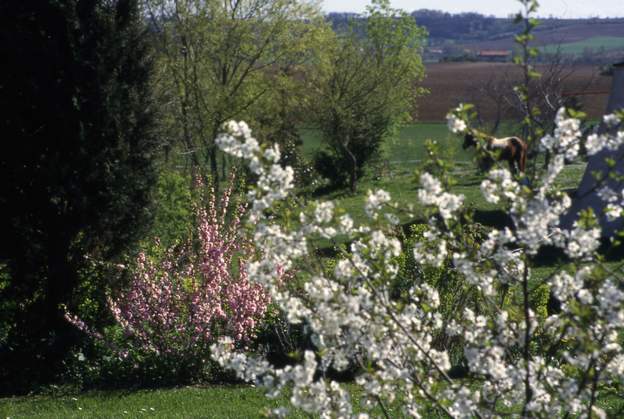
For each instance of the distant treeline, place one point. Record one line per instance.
(469, 26)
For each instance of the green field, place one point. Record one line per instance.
(400, 157)
(408, 147)
(595, 43)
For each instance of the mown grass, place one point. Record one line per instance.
(222, 402)
(407, 148)
(189, 402)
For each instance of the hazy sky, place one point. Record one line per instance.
(556, 8)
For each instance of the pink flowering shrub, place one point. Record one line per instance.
(181, 299)
(188, 297)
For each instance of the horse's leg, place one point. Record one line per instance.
(523, 156)
(509, 154)
(512, 166)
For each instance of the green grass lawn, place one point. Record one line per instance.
(409, 145)
(595, 43)
(218, 401)
(222, 402)
(191, 402)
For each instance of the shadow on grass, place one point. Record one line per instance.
(335, 192)
(327, 189)
(611, 252)
(554, 256)
(470, 182)
(548, 256)
(493, 218)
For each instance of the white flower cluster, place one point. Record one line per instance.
(229, 142)
(455, 124)
(500, 184)
(611, 120)
(582, 242)
(375, 201)
(431, 250)
(566, 138)
(595, 143)
(274, 182)
(523, 360)
(433, 194)
(323, 217)
(495, 249)
(614, 202)
(309, 395)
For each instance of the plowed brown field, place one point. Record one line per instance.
(452, 83)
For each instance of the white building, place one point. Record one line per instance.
(586, 195)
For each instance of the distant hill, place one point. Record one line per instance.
(591, 40)
(476, 27)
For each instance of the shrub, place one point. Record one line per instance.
(181, 299)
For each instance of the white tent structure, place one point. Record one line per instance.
(586, 195)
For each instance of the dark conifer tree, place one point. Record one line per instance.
(76, 165)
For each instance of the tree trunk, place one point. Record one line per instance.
(353, 174)
(353, 180)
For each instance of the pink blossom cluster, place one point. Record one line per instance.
(183, 299)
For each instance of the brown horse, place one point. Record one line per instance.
(513, 149)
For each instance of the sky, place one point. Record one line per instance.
(500, 8)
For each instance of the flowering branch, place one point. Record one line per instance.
(353, 314)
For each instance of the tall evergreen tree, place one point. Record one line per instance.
(76, 167)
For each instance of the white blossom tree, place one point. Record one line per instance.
(521, 361)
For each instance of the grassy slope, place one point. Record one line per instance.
(405, 153)
(408, 146)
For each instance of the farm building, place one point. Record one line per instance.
(494, 56)
(433, 55)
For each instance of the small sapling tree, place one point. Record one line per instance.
(365, 89)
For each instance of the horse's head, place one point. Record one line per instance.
(469, 141)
